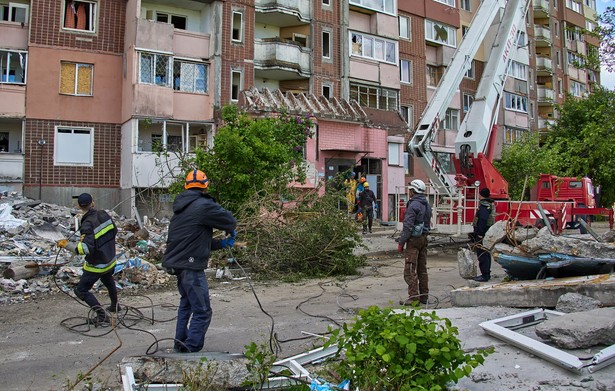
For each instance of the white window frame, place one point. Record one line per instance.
(367, 45)
(239, 86)
(468, 99)
(326, 38)
(5, 77)
(386, 6)
(11, 8)
(407, 112)
(170, 18)
(152, 70)
(575, 6)
(517, 70)
(465, 5)
(431, 35)
(451, 119)
(577, 89)
(521, 39)
(77, 65)
(405, 27)
(73, 146)
(515, 102)
(471, 72)
(192, 85)
(450, 3)
(93, 16)
(328, 86)
(376, 94)
(326, 3)
(240, 27)
(394, 156)
(405, 71)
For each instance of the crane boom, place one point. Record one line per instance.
(420, 143)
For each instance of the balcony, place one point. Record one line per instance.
(282, 13)
(544, 66)
(546, 95)
(14, 35)
(541, 9)
(542, 36)
(544, 124)
(281, 59)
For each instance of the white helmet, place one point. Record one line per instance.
(418, 186)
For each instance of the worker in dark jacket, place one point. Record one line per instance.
(417, 221)
(97, 244)
(483, 219)
(189, 244)
(367, 200)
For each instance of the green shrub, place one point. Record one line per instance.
(413, 350)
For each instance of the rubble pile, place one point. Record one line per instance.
(32, 265)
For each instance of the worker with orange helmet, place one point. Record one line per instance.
(189, 243)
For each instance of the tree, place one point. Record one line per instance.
(252, 155)
(606, 32)
(584, 140)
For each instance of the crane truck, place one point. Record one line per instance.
(456, 196)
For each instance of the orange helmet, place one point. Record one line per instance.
(196, 179)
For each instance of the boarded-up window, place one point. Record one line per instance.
(74, 146)
(76, 79)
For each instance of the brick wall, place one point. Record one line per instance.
(39, 161)
(329, 71)
(46, 26)
(414, 50)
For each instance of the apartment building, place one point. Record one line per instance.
(106, 96)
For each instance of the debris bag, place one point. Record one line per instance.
(466, 262)
(8, 222)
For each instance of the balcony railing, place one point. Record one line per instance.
(282, 54)
(544, 65)
(541, 8)
(545, 95)
(542, 35)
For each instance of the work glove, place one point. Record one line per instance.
(227, 242)
(65, 244)
(62, 243)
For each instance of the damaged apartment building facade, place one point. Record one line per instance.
(92, 91)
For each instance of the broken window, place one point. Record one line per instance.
(440, 33)
(13, 66)
(178, 21)
(190, 77)
(80, 15)
(14, 12)
(4, 141)
(326, 44)
(155, 69)
(180, 137)
(76, 79)
(375, 97)
(237, 27)
(373, 47)
(74, 146)
(235, 85)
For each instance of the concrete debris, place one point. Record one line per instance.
(467, 261)
(499, 233)
(574, 302)
(29, 230)
(544, 242)
(580, 330)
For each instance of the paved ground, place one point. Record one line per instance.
(38, 352)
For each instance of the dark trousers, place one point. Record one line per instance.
(484, 261)
(194, 312)
(87, 281)
(368, 218)
(415, 269)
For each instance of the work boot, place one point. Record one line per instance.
(114, 308)
(408, 302)
(481, 279)
(101, 320)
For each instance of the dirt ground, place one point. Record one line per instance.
(40, 353)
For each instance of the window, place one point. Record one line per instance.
(574, 34)
(467, 102)
(326, 2)
(373, 47)
(375, 97)
(80, 15)
(13, 66)
(190, 77)
(521, 39)
(14, 12)
(155, 69)
(577, 89)
(407, 113)
(76, 79)
(464, 30)
(590, 26)
(394, 154)
(516, 102)
(237, 27)
(178, 21)
(465, 5)
(326, 91)
(517, 70)
(470, 73)
(405, 70)
(387, 6)
(326, 44)
(434, 74)
(445, 161)
(235, 85)
(560, 88)
(447, 2)
(576, 60)
(74, 146)
(558, 58)
(451, 119)
(512, 135)
(591, 4)
(440, 33)
(573, 5)
(404, 27)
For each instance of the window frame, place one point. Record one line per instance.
(10, 9)
(63, 146)
(168, 83)
(195, 78)
(465, 3)
(471, 72)
(515, 102)
(330, 87)
(394, 154)
(361, 43)
(517, 70)
(451, 33)
(170, 19)
(407, 113)
(78, 66)
(408, 27)
(376, 94)
(387, 6)
(451, 119)
(450, 3)
(408, 74)
(239, 85)
(92, 17)
(240, 29)
(326, 54)
(577, 89)
(467, 100)
(5, 77)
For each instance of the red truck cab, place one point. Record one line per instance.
(554, 188)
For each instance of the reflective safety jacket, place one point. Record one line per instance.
(97, 241)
